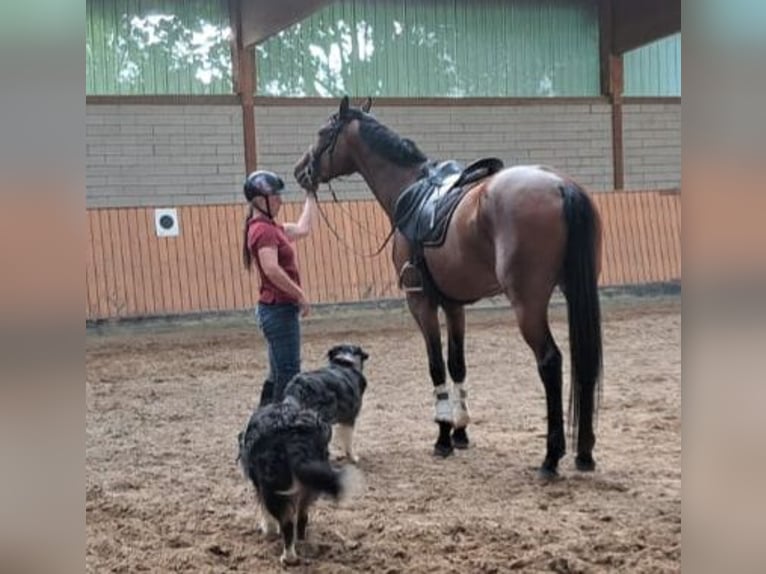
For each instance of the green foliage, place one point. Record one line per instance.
(157, 47)
(451, 48)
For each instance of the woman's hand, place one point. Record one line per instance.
(305, 306)
(302, 227)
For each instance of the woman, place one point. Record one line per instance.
(281, 298)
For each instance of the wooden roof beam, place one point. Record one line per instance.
(261, 19)
(639, 22)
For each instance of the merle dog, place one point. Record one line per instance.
(284, 452)
(334, 391)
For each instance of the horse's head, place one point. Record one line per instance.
(330, 156)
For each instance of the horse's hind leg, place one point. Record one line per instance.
(456, 365)
(426, 315)
(533, 323)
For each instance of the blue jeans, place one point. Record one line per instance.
(280, 325)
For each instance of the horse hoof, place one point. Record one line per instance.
(585, 464)
(442, 450)
(460, 439)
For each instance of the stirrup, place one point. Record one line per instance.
(416, 280)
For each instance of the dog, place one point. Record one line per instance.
(284, 452)
(335, 392)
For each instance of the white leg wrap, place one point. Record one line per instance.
(442, 407)
(459, 396)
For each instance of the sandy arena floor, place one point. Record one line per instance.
(164, 493)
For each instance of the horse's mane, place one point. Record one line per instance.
(389, 144)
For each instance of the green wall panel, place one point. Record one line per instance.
(399, 48)
(422, 48)
(148, 47)
(654, 69)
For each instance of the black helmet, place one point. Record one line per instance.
(264, 183)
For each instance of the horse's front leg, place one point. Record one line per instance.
(456, 365)
(426, 315)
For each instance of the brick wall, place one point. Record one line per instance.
(145, 155)
(652, 143)
(191, 156)
(575, 138)
(173, 155)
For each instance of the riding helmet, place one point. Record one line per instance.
(263, 183)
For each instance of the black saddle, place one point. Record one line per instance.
(423, 211)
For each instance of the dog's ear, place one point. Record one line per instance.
(343, 109)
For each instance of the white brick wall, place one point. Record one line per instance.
(575, 138)
(652, 143)
(140, 155)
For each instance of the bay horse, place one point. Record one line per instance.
(520, 232)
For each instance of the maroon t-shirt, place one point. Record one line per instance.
(264, 233)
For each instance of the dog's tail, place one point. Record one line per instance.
(320, 476)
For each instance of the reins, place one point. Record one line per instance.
(344, 242)
(330, 147)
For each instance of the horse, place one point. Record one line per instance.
(520, 232)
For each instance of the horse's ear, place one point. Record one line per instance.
(343, 107)
(367, 105)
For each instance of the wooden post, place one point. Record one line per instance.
(617, 85)
(243, 74)
(612, 84)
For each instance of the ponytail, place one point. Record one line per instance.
(247, 257)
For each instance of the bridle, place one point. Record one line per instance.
(336, 127)
(315, 157)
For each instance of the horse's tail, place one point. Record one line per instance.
(580, 282)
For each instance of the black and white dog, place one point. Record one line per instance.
(284, 452)
(335, 392)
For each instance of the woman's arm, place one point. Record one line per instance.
(302, 227)
(269, 262)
